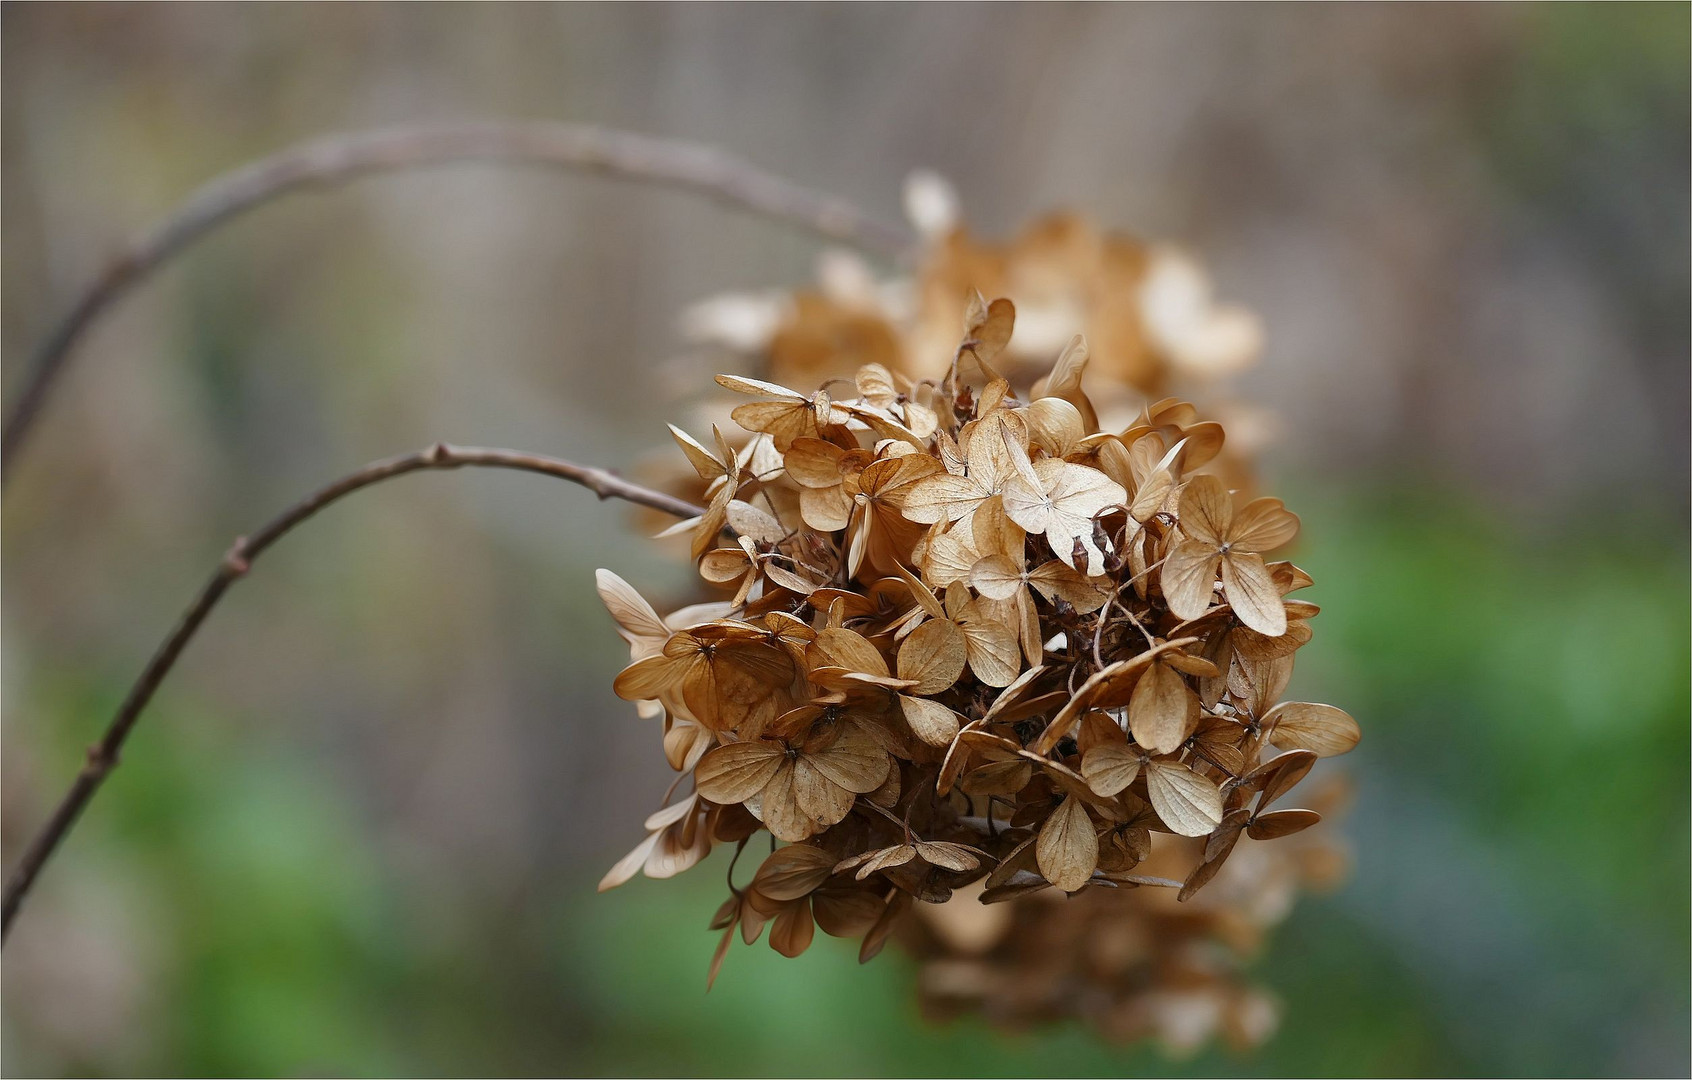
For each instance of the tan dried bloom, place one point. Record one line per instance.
(977, 644)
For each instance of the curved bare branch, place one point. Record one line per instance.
(103, 755)
(337, 159)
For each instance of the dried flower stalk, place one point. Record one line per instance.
(103, 755)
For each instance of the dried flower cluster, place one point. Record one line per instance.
(975, 643)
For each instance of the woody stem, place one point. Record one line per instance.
(103, 756)
(336, 159)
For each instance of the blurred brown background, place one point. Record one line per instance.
(359, 831)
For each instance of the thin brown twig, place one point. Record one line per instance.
(336, 159)
(103, 756)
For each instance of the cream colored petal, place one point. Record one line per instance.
(634, 615)
(998, 577)
(629, 865)
(943, 497)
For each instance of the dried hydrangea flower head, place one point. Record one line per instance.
(975, 643)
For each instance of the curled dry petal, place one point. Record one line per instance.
(1301, 725)
(1279, 823)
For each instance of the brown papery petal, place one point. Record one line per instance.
(793, 871)
(1279, 775)
(1252, 593)
(957, 756)
(785, 578)
(783, 421)
(934, 657)
(997, 577)
(1185, 801)
(754, 523)
(735, 772)
(724, 564)
(886, 859)
(793, 930)
(884, 926)
(703, 461)
(712, 521)
(1216, 851)
(1068, 850)
(855, 762)
(1055, 426)
(1014, 692)
(845, 912)
(993, 652)
(1300, 725)
(717, 958)
(929, 721)
(849, 649)
(1018, 859)
(1161, 710)
(646, 679)
(676, 852)
(998, 778)
(757, 387)
(822, 801)
(944, 497)
(1110, 768)
(1263, 525)
(1207, 511)
(1056, 581)
(779, 804)
(1204, 441)
(1189, 578)
(825, 509)
(993, 330)
(814, 463)
(955, 857)
(1099, 729)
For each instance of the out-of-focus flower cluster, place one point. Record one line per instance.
(984, 644)
(1147, 310)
